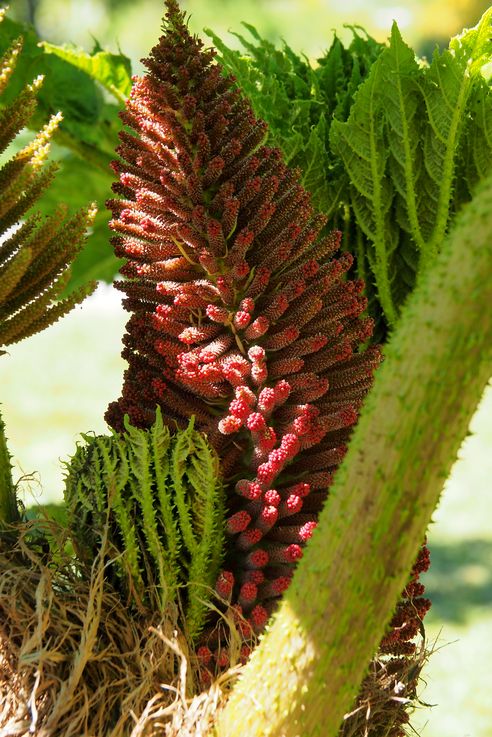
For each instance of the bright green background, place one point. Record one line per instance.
(58, 383)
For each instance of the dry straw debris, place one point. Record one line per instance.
(76, 660)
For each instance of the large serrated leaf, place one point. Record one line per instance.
(361, 144)
(447, 87)
(112, 71)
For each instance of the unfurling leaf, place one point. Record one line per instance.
(159, 496)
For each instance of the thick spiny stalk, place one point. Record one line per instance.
(305, 673)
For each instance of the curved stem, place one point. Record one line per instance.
(8, 505)
(305, 673)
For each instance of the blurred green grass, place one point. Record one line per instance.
(58, 384)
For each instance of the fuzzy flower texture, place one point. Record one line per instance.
(241, 315)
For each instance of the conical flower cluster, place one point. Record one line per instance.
(241, 317)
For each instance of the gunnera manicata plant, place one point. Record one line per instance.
(241, 316)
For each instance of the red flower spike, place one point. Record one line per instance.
(224, 584)
(267, 440)
(244, 654)
(272, 497)
(256, 354)
(258, 618)
(225, 261)
(290, 554)
(257, 328)
(266, 400)
(240, 408)
(255, 575)
(247, 305)
(238, 522)
(247, 594)
(276, 587)
(204, 655)
(257, 559)
(267, 518)
(292, 505)
(222, 659)
(249, 489)
(280, 340)
(245, 393)
(248, 539)
(242, 319)
(302, 489)
(307, 530)
(230, 424)
(276, 308)
(256, 422)
(259, 373)
(217, 314)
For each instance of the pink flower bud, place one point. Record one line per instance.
(256, 354)
(245, 393)
(256, 422)
(229, 425)
(240, 408)
(266, 400)
(217, 314)
(272, 497)
(247, 304)
(242, 319)
(247, 593)
(257, 328)
(238, 522)
(307, 530)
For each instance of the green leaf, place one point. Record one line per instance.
(160, 446)
(360, 143)
(206, 503)
(299, 103)
(475, 162)
(161, 499)
(414, 145)
(402, 107)
(142, 486)
(112, 71)
(447, 87)
(182, 449)
(390, 148)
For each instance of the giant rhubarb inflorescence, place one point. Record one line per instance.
(241, 315)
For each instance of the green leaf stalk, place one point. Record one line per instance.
(304, 675)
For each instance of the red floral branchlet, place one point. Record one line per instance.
(241, 315)
(406, 622)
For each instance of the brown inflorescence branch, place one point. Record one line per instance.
(241, 315)
(35, 253)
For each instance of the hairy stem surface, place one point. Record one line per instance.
(8, 506)
(305, 674)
